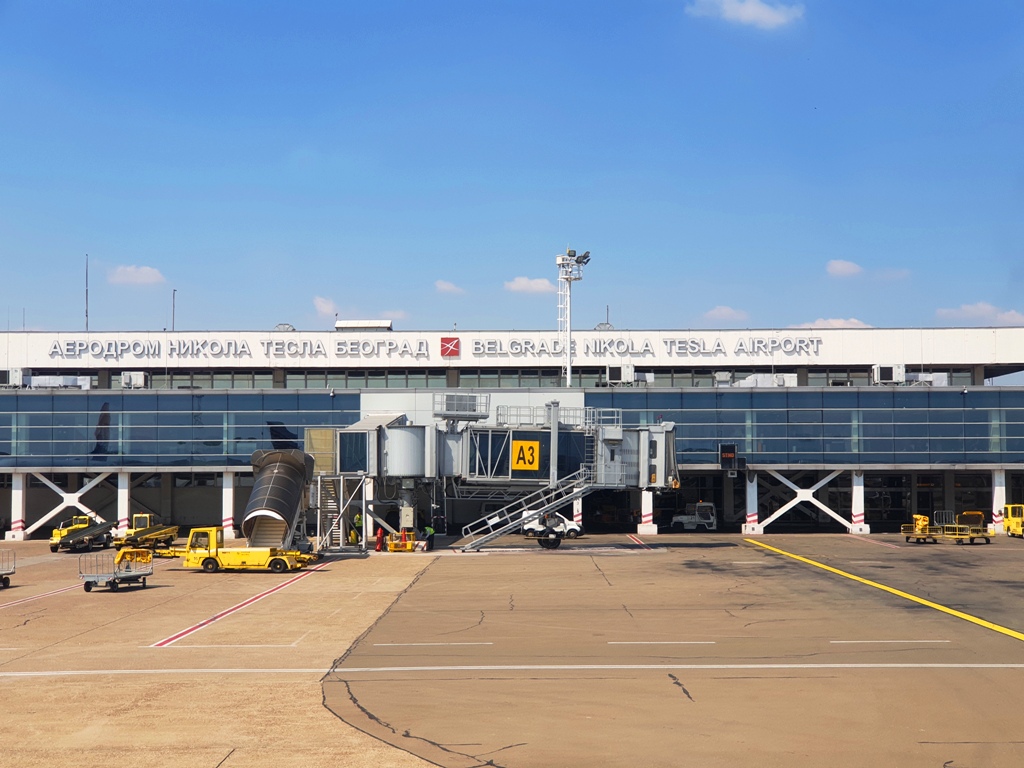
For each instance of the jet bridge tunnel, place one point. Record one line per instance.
(406, 473)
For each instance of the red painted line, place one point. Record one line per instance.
(233, 609)
(36, 597)
(634, 538)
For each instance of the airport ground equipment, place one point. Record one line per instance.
(968, 527)
(131, 565)
(701, 513)
(404, 541)
(561, 525)
(147, 531)
(82, 532)
(205, 549)
(7, 560)
(921, 530)
(272, 515)
(1013, 520)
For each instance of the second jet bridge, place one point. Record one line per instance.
(538, 458)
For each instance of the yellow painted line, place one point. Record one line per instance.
(893, 591)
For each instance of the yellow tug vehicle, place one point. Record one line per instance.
(205, 549)
(1013, 520)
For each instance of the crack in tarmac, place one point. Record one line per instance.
(676, 681)
(600, 571)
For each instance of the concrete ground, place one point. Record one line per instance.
(675, 650)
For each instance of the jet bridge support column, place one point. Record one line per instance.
(17, 532)
(647, 526)
(577, 510)
(124, 502)
(752, 526)
(998, 499)
(857, 524)
(227, 505)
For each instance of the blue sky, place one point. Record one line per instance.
(729, 163)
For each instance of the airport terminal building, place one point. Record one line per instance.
(834, 429)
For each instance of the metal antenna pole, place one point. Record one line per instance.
(87, 293)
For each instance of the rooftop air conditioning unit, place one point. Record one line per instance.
(617, 374)
(133, 380)
(888, 374)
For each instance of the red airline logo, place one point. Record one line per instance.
(450, 346)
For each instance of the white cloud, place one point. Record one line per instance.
(758, 13)
(530, 285)
(725, 314)
(982, 313)
(394, 314)
(325, 307)
(443, 286)
(134, 276)
(834, 322)
(841, 268)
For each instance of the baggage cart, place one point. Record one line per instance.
(921, 531)
(129, 566)
(968, 527)
(6, 567)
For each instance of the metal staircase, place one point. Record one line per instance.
(512, 516)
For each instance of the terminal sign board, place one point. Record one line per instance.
(525, 455)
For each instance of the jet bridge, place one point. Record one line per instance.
(536, 459)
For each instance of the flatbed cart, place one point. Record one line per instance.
(130, 565)
(968, 527)
(6, 567)
(921, 531)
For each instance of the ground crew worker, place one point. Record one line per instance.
(357, 526)
(429, 533)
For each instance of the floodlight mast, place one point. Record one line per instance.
(570, 269)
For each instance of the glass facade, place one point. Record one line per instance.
(831, 426)
(126, 428)
(835, 425)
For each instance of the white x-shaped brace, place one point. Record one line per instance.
(805, 494)
(67, 499)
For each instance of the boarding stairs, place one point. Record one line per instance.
(329, 510)
(513, 516)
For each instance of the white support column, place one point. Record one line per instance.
(646, 526)
(368, 525)
(752, 526)
(227, 505)
(577, 511)
(998, 499)
(17, 532)
(124, 501)
(857, 504)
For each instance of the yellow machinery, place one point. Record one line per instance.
(402, 542)
(968, 527)
(205, 549)
(67, 527)
(1013, 520)
(82, 532)
(921, 531)
(147, 531)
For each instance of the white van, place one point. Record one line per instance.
(569, 528)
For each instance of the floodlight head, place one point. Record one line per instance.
(571, 254)
(584, 259)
